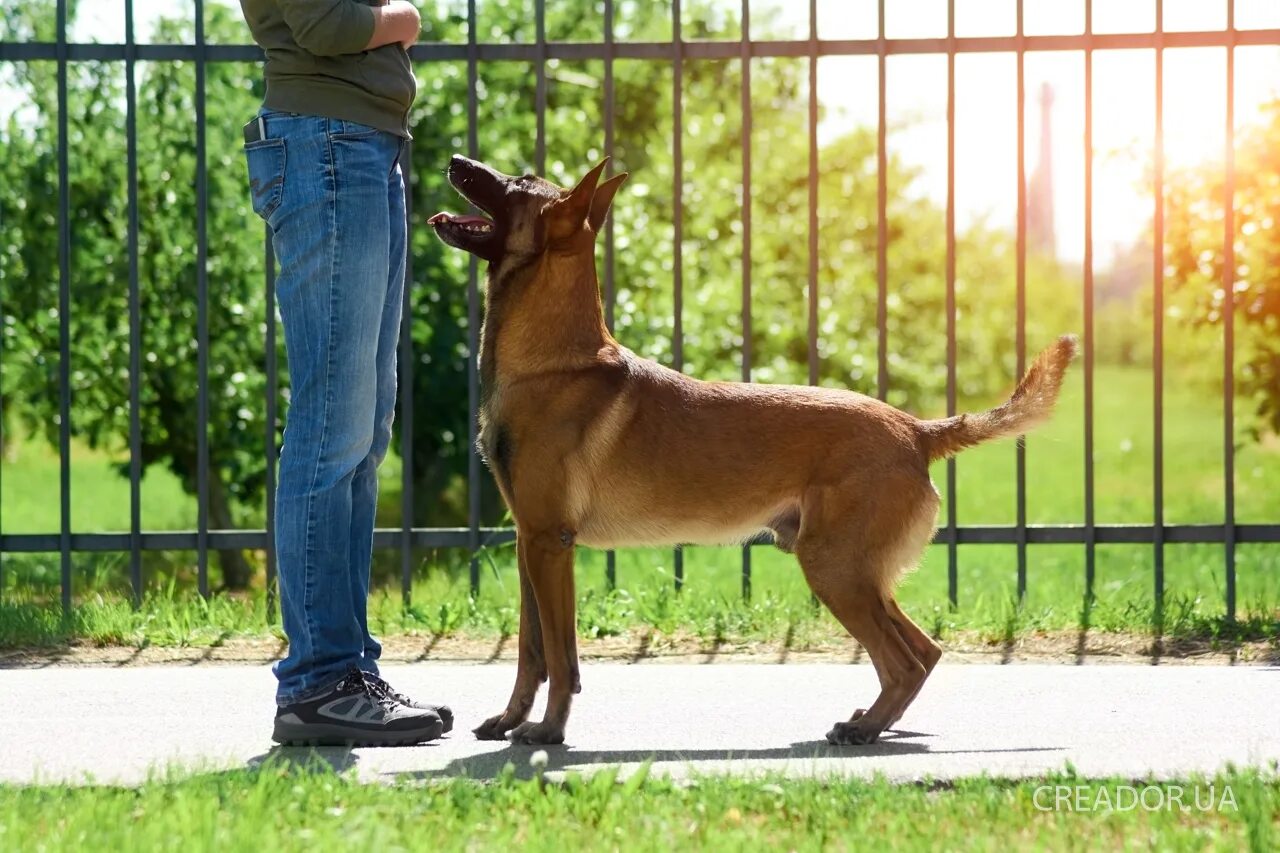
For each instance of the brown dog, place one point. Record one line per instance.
(593, 445)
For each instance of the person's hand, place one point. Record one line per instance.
(415, 28)
(396, 22)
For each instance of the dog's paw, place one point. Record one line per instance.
(494, 728)
(854, 733)
(538, 733)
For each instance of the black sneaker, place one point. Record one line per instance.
(354, 713)
(442, 711)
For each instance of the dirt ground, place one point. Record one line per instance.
(1047, 647)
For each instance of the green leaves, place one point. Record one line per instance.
(1196, 263)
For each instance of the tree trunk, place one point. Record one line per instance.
(236, 570)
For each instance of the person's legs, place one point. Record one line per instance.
(364, 486)
(331, 237)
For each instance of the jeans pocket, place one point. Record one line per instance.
(353, 130)
(266, 175)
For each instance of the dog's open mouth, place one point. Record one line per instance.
(468, 224)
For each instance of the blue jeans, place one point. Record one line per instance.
(333, 195)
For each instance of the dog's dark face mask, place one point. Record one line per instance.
(522, 216)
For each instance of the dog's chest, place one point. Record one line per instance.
(490, 428)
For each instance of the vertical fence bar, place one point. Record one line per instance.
(610, 557)
(677, 229)
(64, 315)
(882, 224)
(813, 205)
(273, 381)
(540, 142)
(473, 324)
(1090, 534)
(953, 570)
(1021, 307)
(813, 192)
(610, 297)
(202, 317)
(405, 363)
(1157, 317)
(135, 311)
(2, 444)
(745, 59)
(1228, 323)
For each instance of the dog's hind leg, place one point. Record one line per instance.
(861, 609)
(531, 666)
(852, 550)
(926, 651)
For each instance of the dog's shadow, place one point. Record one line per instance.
(564, 757)
(490, 765)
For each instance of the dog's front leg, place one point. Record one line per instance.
(531, 666)
(549, 556)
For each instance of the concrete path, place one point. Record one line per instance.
(119, 724)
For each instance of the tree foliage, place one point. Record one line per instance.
(1195, 235)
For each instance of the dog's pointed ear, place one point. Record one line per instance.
(578, 203)
(602, 199)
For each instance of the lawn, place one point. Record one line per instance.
(283, 807)
(711, 606)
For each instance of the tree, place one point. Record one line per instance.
(1194, 222)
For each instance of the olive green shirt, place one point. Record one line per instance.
(317, 64)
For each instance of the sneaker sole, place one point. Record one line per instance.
(319, 734)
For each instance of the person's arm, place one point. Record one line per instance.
(397, 21)
(337, 27)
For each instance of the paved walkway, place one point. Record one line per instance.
(118, 724)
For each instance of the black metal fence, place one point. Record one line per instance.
(677, 51)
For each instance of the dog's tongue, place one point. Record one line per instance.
(457, 220)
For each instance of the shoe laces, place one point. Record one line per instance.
(372, 687)
(383, 689)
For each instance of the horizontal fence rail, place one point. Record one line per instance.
(460, 537)
(678, 52)
(663, 50)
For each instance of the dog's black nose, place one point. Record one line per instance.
(461, 168)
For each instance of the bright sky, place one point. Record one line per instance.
(986, 102)
(986, 97)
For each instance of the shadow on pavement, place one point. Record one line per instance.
(489, 765)
(336, 759)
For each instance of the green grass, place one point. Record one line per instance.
(1123, 459)
(711, 607)
(99, 494)
(280, 806)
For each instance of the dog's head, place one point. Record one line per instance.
(523, 216)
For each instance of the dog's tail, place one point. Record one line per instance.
(1030, 405)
